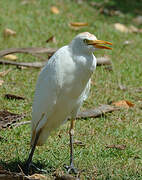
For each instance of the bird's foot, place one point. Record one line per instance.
(32, 167)
(71, 169)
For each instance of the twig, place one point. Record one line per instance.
(39, 50)
(31, 50)
(89, 113)
(100, 61)
(25, 64)
(97, 112)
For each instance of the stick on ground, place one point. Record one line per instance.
(89, 113)
(30, 50)
(35, 51)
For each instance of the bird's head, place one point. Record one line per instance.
(87, 42)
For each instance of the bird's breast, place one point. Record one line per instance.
(75, 78)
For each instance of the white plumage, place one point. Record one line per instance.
(63, 85)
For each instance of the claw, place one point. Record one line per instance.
(31, 165)
(71, 169)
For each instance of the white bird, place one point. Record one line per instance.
(62, 86)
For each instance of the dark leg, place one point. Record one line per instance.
(29, 161)
(71, 168)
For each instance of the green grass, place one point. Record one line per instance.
(34, 23)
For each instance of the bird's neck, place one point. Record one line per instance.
(79, 51)
(83, 59)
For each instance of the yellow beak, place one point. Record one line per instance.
(99, 44)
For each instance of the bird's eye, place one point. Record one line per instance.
(85, 41)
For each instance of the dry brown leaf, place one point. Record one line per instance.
(121, 28)
(123, 103)
(9, 32)
(124, 29)
(4, 73)
(51, 39)
(55, 10)
(79, 24)
(7, 119)
(1, 82)
(12, 96)
(38, 176)
(10, 57)
(117, 146)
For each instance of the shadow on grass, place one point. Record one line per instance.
(126, 6)
(18, 166)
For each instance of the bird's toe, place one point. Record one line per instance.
(71, 169)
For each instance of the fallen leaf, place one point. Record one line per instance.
(121, 28)
(38, 176)
(138, 20)
(10, 57)
(51, 39)
(123, 103)
(9, 32)
(8, 118)
(4, 73)
(1, 82)
(55, 10)
(12, 96)
(79, 24)
(124, 29)
(117, 146)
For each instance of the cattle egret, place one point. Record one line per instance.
(62, 86)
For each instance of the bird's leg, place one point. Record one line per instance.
(71, 168)
(29, 160)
